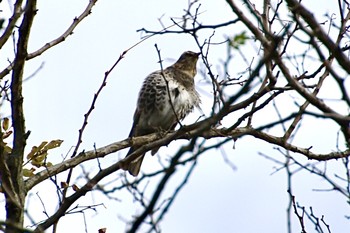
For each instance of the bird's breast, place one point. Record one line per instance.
(181, 102)
(164, 101)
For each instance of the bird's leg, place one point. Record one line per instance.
(161, 132)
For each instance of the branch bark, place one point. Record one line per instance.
(15, 193)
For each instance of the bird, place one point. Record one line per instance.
(166, 97)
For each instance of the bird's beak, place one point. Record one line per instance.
(198, 54)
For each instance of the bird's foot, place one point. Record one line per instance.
(162, 132)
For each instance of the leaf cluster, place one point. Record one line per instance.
(38, 156)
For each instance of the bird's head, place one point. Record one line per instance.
(187, 63)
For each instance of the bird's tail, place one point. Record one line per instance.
(135, 165)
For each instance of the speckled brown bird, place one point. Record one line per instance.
(154, 111)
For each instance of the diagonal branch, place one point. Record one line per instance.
(160, 187)
(67, 33)
(87, 115)
(17, 12)
(299, 9)
(60, 39)
(167, 86)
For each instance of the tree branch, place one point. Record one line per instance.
(15, 211)
(17, 12)
(58, 40)
(333, 48)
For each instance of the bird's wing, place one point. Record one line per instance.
(135, 123)
(147, 103)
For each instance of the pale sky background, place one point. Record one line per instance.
(217, 199)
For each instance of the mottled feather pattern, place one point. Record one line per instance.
(155, 111)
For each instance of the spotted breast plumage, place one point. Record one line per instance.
(166, 97)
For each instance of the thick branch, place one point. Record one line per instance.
(14, 161)
(211, 133)
(160, 187)
(155, 140)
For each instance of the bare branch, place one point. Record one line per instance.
(14, 161)
(17, 12)
(60, 39)
(66, 34)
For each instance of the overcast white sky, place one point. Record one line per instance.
(217, 198)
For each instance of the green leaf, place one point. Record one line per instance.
(238, 40)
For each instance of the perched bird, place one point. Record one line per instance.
(155, 111)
